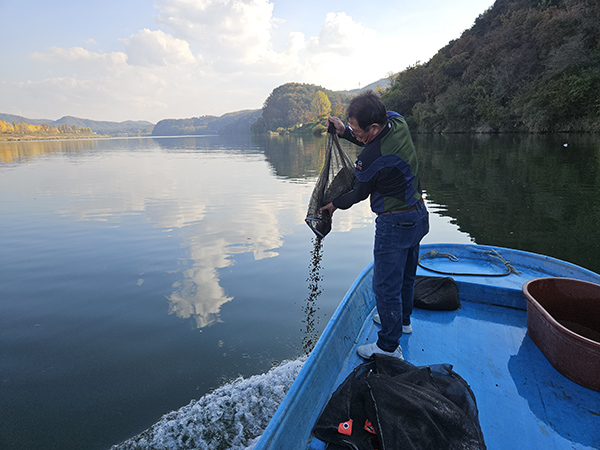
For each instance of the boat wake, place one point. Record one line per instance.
(233, 416)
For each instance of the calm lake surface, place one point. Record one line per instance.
(138, 274)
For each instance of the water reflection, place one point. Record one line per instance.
(525, 192)
(217, 197)
(198, 294)
(299, 157)
(528, 192)
(18, 152)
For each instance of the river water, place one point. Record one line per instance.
(138, 274)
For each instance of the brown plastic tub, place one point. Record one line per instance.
(563, 319)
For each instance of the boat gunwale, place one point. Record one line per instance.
(307, 374)
(507, 289)
(526, 259)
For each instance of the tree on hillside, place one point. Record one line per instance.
(44, 129)
(408, 89)
(6, 127)
(320, 105)
(288, 105)
(291, 104)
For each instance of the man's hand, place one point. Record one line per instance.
(329, 208)
(340, 128)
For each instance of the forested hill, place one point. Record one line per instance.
(525, 65)
(127, 128)
(293, 104)
(232, 123)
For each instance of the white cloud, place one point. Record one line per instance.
(128, 94)
(341, 35)
(222, 29)
(216, 56)
(343, 55)
(219, 58)
(157, 48)
(79, 55)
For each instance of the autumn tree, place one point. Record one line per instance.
(291, 104)
(42, 129)
(6, 127)
(320, 105)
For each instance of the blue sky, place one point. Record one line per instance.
(151, 60)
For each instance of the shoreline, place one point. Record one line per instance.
(12, 137)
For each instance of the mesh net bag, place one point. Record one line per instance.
(390, 404)
(336, 178)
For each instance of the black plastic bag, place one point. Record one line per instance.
(336, 178)
(436, 293)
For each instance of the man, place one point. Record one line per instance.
(387, 170)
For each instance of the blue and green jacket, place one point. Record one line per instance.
(387, 169)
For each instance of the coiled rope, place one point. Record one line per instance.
(492, 253)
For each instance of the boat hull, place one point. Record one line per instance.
(523, 401)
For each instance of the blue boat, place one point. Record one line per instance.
(523, 401)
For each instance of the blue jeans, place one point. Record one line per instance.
(396, 254)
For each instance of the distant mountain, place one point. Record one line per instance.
(384, 83)
(12, 118)
(231, 123)
(127, 128)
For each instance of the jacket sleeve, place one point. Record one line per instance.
(360, 192)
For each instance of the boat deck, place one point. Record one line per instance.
(523, 401)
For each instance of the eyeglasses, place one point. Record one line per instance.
(357, 133)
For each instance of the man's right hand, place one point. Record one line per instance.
(329, 208)
(340, 128)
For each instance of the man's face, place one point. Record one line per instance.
(364, 136)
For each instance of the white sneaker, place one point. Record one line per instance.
(406, 329)
(368, 350)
